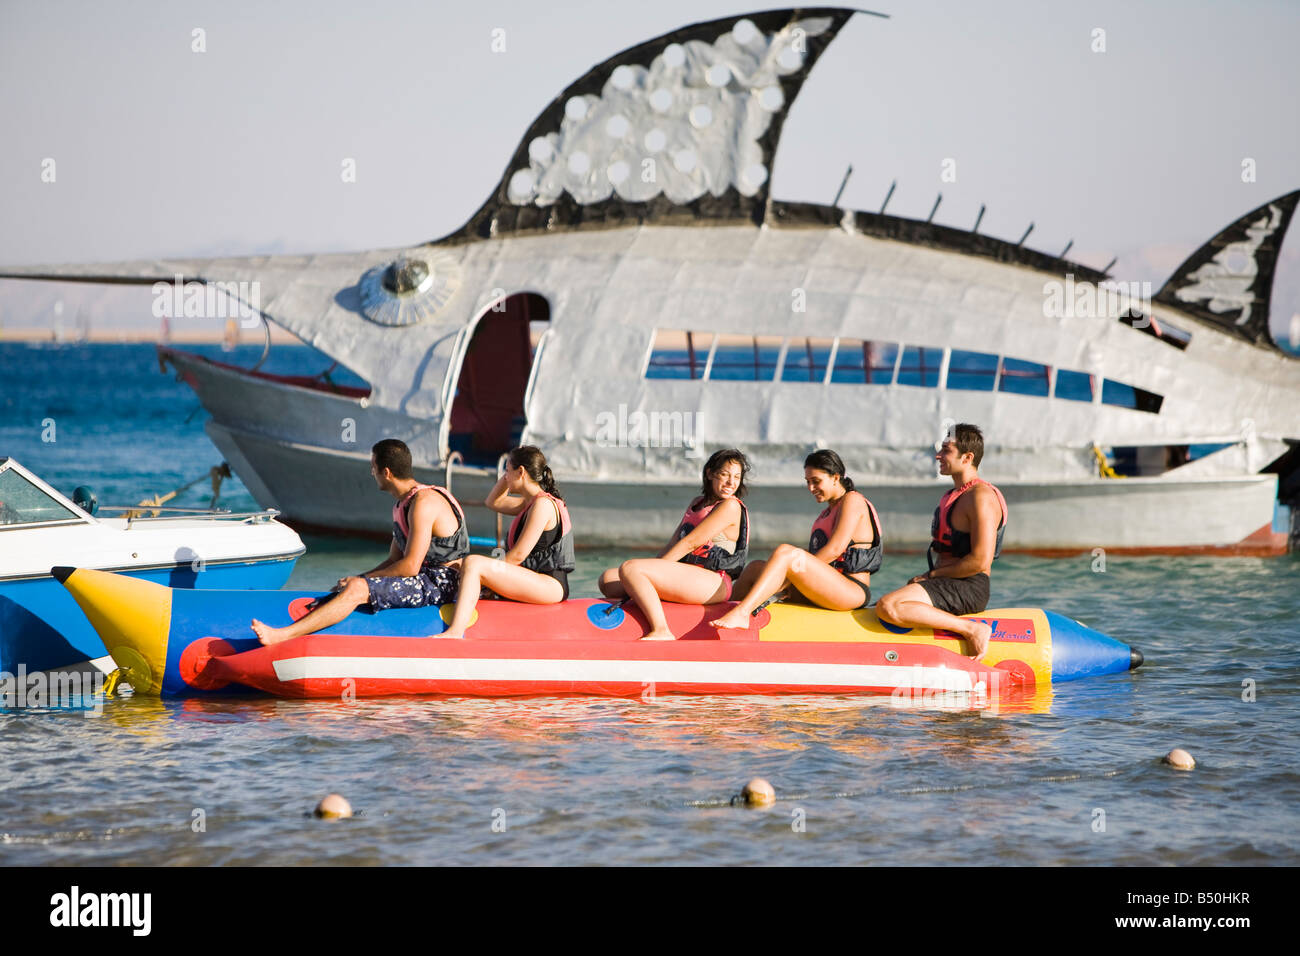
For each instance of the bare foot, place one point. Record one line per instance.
(660, 636)
(271, 635)
(735, 618)
(449, 635)
(981, 640)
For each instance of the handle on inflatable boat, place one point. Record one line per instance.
(778, 596)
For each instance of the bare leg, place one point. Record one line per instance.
(817, 581)
(611, 586)
(650, 581)
(327, 613)
(510, 581)
(910, 606)
(747, 579)
(770, 580)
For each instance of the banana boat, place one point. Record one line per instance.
(185, 643)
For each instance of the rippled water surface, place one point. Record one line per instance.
(1074, 778)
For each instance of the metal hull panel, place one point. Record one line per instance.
(1068, 516)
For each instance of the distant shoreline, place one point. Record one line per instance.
(139, 336)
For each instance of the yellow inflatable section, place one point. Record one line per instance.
(1020, 634)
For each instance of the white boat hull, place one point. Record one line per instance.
(328, 489)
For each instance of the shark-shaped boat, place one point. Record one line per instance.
(631, 296)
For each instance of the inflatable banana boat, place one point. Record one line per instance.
(183, 643)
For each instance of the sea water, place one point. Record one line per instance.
(1074, 778)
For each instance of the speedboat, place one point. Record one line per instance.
(177, 643)
(41, 627)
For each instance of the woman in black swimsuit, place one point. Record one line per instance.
(539, 555)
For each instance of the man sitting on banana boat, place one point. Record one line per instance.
(967, 535)
(430, 540)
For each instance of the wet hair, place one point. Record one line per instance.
(823, 459)
(969, 440)
(531, 460)
(717, 461)
(392, 453)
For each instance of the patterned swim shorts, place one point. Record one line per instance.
(431, 586)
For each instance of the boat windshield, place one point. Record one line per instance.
(21, 502)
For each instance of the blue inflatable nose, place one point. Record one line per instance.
(1079, 651)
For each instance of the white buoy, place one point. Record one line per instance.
(334, 807)
(758, 793)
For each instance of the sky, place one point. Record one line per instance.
(163, 151)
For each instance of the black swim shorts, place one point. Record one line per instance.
(958, 595)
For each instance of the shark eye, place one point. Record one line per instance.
(410, 289)
(406, 276)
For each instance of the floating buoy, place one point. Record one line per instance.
(758, 793)
(1180, 759)
(334, 807)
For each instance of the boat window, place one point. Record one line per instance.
(1148, 461)
(1204, 450)
(1129, 396)
(805, 360)
(1024, 378)
(1161, 329)
(1074, 386)
(864, 363)
(21, 502)
(679, 354)
(972, 371)
(753, 358)
(745, 358)
(920, 366)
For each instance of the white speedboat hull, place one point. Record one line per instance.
(42, 629)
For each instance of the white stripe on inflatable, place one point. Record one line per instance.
(608, 671)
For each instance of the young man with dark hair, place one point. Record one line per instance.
(429, 541)
(966, 536)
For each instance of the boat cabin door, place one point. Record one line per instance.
(487, 408)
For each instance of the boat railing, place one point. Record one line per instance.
(456, 458)
(134, 513)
